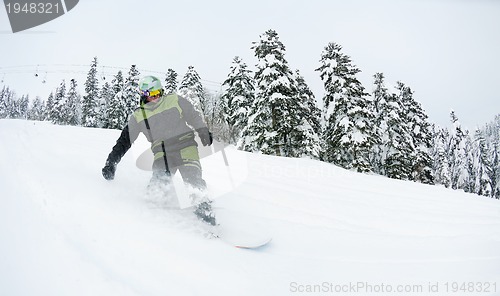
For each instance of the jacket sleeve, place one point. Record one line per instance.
(127, 137)
(191, 115)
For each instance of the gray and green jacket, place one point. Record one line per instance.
(169, 126)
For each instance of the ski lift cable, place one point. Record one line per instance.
(17, 69)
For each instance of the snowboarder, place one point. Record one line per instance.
(168, 121)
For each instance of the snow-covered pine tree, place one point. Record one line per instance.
(309, 101)
(37, 110)
(380, 97)
(90, 101)
(470, 175)
(482, 165)
(348, 117)
(421, 135)
(457, 155)
(495, 156)
(48, 107)
(491, 134)
(441, 167)
(171, 81)
(192, 89)
(73, 104)
(12, 104)
(3, 102)
(237, 99)
(380, 92)
(17, 107)
(496, 171)
(9, 104)
(105, 98)
(310, 131)
(59, 111)
(131, 90)
(494, 136)
(397, 141)
(23, 105)
(409, 114)
(116, 109)
(277, 120)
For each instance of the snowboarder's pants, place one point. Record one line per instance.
(186, 161)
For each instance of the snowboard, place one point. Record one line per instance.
(241, 230)
(234, 227)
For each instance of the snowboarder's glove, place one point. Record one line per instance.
(205, 136)
(108, 171)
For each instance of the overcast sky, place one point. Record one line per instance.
(446, 51)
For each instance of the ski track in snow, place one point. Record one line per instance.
(64, 230)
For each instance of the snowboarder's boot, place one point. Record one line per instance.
(204, 212)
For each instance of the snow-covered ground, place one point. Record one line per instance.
(64, 230)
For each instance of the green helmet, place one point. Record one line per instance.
(150, 86)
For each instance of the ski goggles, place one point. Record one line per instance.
(152, 93)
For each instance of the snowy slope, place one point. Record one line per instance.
(64, 230)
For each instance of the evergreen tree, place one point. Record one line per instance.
(380, 92)
(380, 96)
(3, 102)
(106, 98)
(17, 107)
(495, 134)
(116, 108)
(421, 136)
(59, 111)
(394, 154)
(457, 155)
(469, 176)
(9, 103)
(348, 129)
(12, 106)
(277, 120)
(310, 130)
(483, 181)
(131, 91)
(472, 161)
(171, 81)
(491, 133)
(397, 141)
(309, 101)
(192, 89)
(237, 98)
(495, 170)
(37, 110)
(73, 104)
(23, 105)
(441, 167)
(48, 107)
(90, 102)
